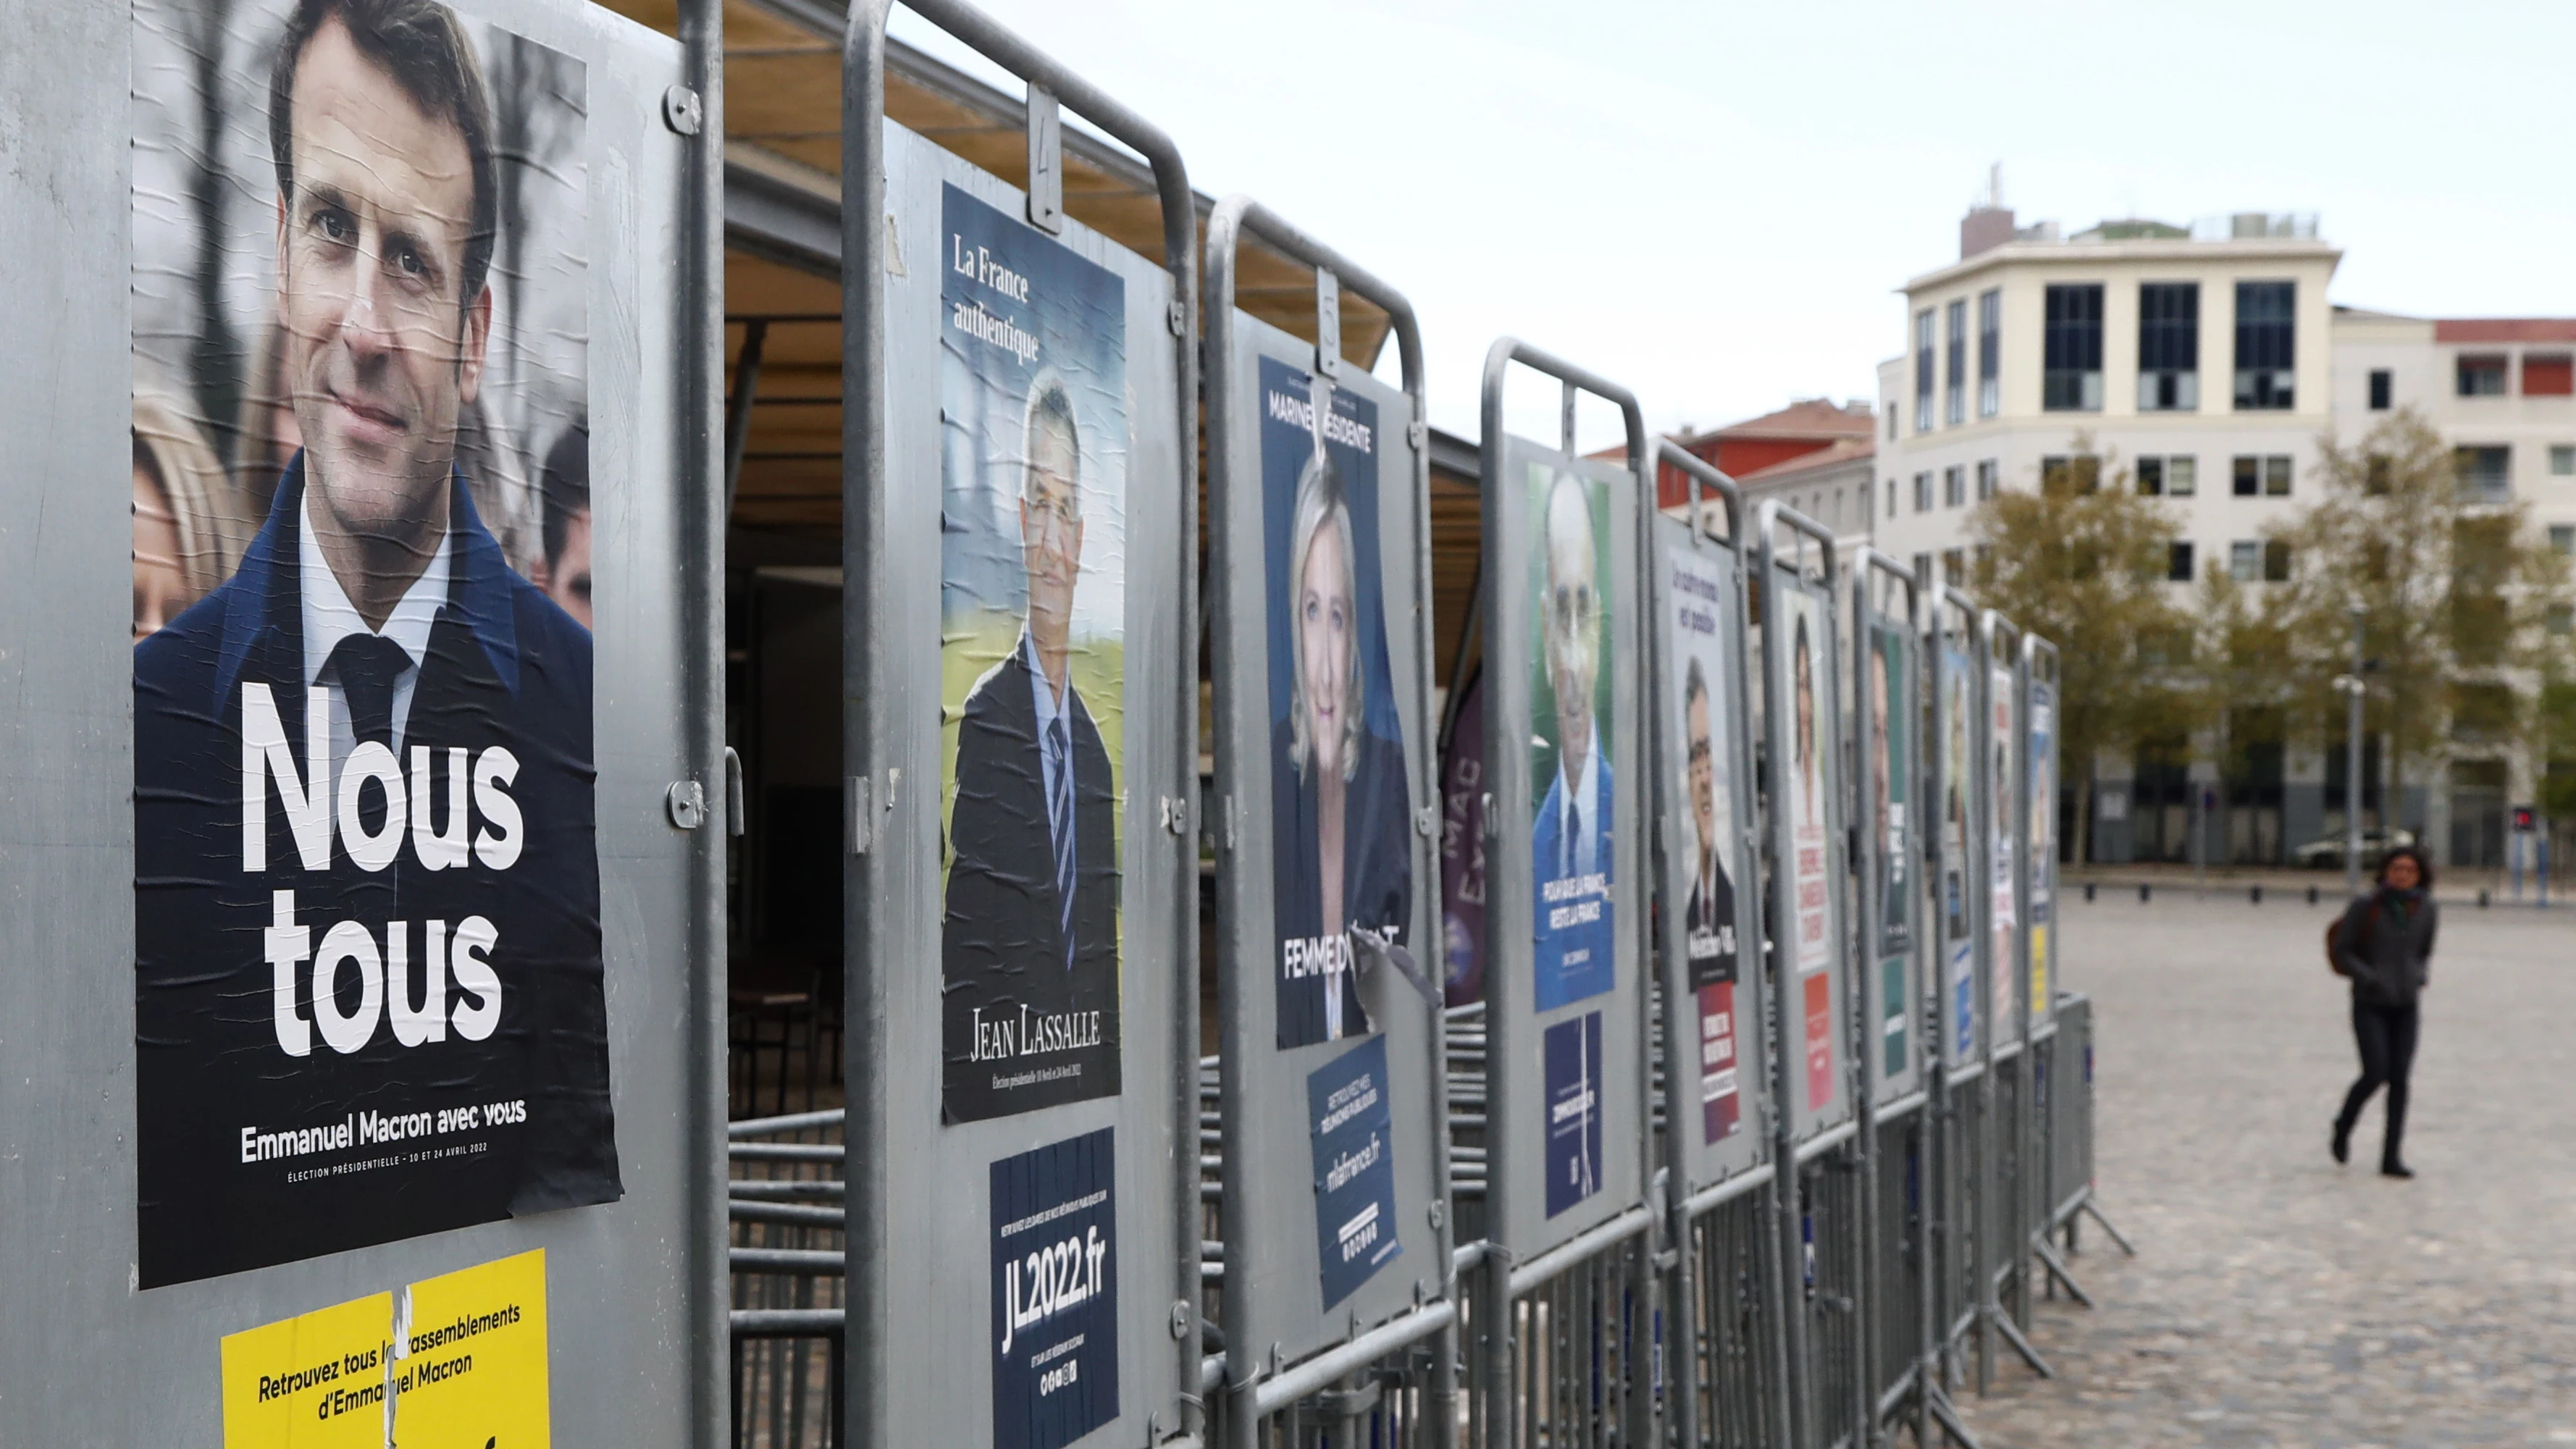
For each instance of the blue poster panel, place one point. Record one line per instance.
(1571, 1053)
(1341, 805)
(1355, 1233)
(1032, 663)
(1055, 1292)
(1570, 702)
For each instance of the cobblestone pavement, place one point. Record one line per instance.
(2278, 1299)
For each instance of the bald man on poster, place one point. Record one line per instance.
(1570, 839)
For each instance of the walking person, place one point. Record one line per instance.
(2385, 945)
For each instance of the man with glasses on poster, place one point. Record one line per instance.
(367, 756)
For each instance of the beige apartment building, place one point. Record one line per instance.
(2201, 365)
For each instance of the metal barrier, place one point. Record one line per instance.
(789, 1252)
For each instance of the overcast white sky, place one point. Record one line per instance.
(1713, 202)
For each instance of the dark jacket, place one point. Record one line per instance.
(2386, 946)
(1377, 875)
(1003, 955)
(504, 668)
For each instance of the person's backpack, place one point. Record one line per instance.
(2369, 925)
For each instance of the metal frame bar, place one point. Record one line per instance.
(874, 721)
(703, 503)
(1234, 218)
(1502, 1411)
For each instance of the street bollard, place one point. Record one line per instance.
(2258, 895)
(2088, 893)
(2312, 895)
(2144, 892)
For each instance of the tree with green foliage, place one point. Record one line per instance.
(2083, 565)
(2454, 596)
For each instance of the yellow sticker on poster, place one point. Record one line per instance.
(470, 1360)
(454, 1360)
(2038, 969)
(312, 1382)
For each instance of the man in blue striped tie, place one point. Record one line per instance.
(1029, 940)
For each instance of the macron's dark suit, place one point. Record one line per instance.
(1377, 875)
(1002, 945)
(503, 667)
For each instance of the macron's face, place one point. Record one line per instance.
(382, 352)
(1573, 623)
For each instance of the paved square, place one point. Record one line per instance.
(2278, 1299)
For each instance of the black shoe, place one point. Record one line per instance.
(2342, 1144)
(2394, 1168)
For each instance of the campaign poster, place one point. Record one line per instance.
(1703, 734)
(1341, 816)
(1570, 1061)
(369, 998)
(1570, 726)
(1354, 1144)
(1891, 703)
(1813, 930)
(1462, 849)
(1055, 1292)
(2043, 834)
(1958, 938)
(1033, 458)
(2003, 1007)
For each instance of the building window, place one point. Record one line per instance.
(1923, 371)
(1891, 498)
(2276, 562)
(1990, 353)
(2262, 477)
(2081, 473)
(1923, 492)
(2071, 380)
(2244, 561)
(2482, 374)
(1954, 398)
(2551, 374)
(1954, 567)
(1891, 422)
(2376, 475)
(1986, 470)
(2561, 619)
(2178, 562)
(2380, 387)
(2267, 355)
(2486, 474)
(2169, 475)
(2562, 538)
(2168, 347)
(1923, 570)
(1954, 486)
(2562, 459)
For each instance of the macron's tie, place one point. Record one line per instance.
(1573, 834)
(369, 664)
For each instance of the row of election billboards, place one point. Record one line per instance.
(410, 883)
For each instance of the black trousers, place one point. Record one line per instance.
(2386, 1036)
